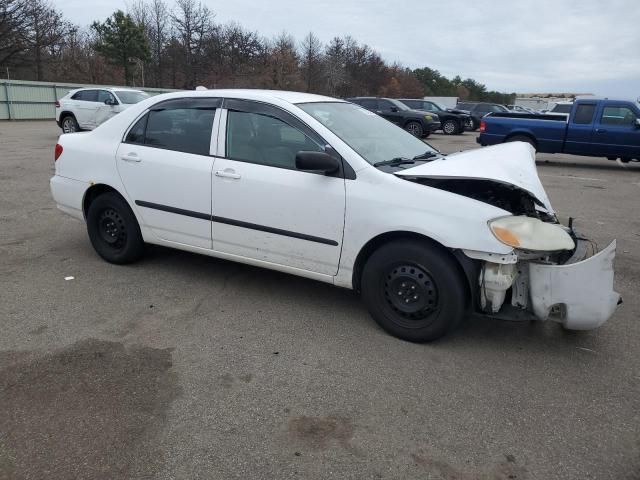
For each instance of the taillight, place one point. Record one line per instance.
(57, 104)
(483, 126)
(57, 152)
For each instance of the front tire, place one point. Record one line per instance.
(415, 129)
(414, 291)
(113, 229)
(450, 127)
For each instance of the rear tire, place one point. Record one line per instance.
(414, 291)
(69, 124)
(113, 229)
(415, 129)
(522, 138)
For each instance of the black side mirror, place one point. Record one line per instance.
(394, 109)
(109, 101)
(316, 161)
(637, 123)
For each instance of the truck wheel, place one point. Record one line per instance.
(414, 291)
(113, 229)
(450, 127)
(522, 138)
(414, 128)
(69, 124)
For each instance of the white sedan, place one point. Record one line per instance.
(324, 189)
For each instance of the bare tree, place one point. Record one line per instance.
(13, 30)
(46, 29)
(311, 60)
(193, 23)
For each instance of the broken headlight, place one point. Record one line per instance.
(527, 233)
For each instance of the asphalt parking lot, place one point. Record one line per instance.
(183, 366)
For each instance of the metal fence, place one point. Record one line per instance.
(25, 100)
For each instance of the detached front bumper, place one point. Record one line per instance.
(579, 295)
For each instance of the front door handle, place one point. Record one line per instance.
(228, 173)
(131, 157)
(601, 130)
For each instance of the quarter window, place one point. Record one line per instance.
(86, 95)
(617, 116)
(584, 114)
(265, 140)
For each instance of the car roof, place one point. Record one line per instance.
(257, 94)
(112, 89)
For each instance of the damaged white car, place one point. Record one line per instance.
(324, 189)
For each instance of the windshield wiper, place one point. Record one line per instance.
(394, 162)
(425, 155)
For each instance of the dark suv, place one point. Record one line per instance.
(477, 110)
(452, 123)
(420, 124)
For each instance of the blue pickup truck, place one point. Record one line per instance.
(594, 127)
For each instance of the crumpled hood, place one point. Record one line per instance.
(511, 163)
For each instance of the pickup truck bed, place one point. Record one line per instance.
(595, 127)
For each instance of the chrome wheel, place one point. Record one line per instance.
(414, 128)
(449, 127)
(69, 125)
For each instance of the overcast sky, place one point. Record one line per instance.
(584, 46)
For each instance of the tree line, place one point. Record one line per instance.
(181, 46)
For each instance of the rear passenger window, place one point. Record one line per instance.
(369, 103)
(182, 129)
(584, 114)
(86, 95)
(265, 140)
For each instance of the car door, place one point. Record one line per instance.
(165, 164)
(263, 207)
(580, 130)
(87, 108)
(616, 133)
(108, 106)
(389, 111)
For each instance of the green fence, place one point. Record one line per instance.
(25, 100)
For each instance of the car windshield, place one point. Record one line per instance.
(128, 97)
(371, 136)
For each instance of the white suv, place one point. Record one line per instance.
(86, 108)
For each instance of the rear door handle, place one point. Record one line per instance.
(131, 157)
(228, 173)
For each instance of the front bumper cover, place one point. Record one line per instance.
(579, 295)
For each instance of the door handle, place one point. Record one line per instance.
(601, 130)
(131, 157)
(228, 174)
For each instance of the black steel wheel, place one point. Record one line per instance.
(113, 229)
(414, 290)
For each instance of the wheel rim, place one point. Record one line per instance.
(449, 127)
(111, 229)
(414, 129)
(68, 125)
(412, 294)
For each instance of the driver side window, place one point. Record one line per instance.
(265, 140)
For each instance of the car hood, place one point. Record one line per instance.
(511, 164)
(459, 112)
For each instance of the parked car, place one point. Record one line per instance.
(594, 127)
(86, 108)
(452, 123)
(521, 109)
(478, 110)
(324, 189)
(419, 124)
